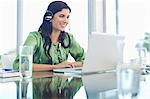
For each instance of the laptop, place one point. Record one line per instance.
(104, 52)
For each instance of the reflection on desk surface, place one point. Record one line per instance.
(96, 84)
(45, 85)
(55, 87)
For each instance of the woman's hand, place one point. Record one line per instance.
(67, 64)
(64, 64)
(76, 64)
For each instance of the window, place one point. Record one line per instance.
(8, 25)
(111, 16)
(130, 18)
(133, 23)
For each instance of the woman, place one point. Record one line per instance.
(51, 44)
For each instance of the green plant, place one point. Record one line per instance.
(146, 41)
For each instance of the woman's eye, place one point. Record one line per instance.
(61, 16)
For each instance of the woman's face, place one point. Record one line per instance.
(60, 20)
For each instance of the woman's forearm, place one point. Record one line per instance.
(47, 67)
(42, 67)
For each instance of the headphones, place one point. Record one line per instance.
(48, 15)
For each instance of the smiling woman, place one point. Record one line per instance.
(51, 43)
(60, 20)
(78, 26)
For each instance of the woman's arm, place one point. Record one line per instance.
(77, 52)
(42, 67)
(47, 67)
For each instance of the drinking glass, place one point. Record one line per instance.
(124, 81)
(25, 61)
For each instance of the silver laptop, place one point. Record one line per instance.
(104, 52)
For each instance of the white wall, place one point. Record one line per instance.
(8, 20)
(132, 24)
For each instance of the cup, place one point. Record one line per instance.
(25, 61)
(1, 62)
(124, 81)
(135, 65)
(142, 56)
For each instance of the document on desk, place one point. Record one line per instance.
(9, 73)
(9, 79)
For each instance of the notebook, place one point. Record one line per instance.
(7, 74)
(104, 52)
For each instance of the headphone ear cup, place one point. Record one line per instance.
(48, 16)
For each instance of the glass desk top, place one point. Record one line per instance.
(47, 85)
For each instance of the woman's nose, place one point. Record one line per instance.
(66, 20)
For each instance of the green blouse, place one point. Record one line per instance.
(57, 52)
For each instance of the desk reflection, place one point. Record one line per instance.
(49, 86)
(25, 89)
(55, 87)
(98, 86)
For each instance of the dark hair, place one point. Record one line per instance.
(46, 27)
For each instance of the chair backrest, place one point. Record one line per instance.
(7, 61)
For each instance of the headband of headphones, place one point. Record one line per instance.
(53, 8)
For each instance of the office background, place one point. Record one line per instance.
(126, 17)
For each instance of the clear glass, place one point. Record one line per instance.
(124, 82)
(1, 62)
(135, 65)
(142, 56)
(25, 61)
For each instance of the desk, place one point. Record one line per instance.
(46, 85)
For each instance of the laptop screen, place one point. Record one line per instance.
(104, 52)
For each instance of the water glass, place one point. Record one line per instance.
(124, 82)
(136, 67)
(25, 61)
(142, 56)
